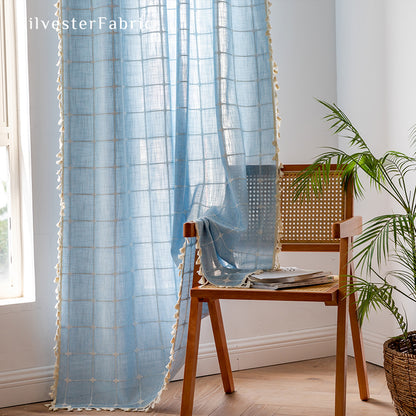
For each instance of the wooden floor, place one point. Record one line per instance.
(298, 389)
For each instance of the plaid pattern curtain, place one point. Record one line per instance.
(164, 105)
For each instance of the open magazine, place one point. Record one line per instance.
(288, 277)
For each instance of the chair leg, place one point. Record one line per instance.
(194, 328)
(221, 345)
(357, 341)
(341, 358)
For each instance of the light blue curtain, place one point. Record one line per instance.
(162, 119)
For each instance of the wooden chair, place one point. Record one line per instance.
(315, 225)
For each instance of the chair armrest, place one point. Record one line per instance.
(189, 229)
(348, 228)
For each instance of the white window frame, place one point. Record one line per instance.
(14, 133)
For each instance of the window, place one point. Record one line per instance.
(16, 252)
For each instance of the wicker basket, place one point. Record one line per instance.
(400, 367)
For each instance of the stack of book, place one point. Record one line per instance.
(288, 277)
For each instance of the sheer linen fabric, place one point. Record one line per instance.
(159, 123)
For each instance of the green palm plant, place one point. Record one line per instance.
(389, 237)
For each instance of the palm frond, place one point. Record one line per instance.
(364, 160)
(375, 297)
(397, 163)
(342, 126)
(375, 238)
(412, 135)
(406, 278)
(397, 167)
(311, 179)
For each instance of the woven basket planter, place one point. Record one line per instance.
(400, 367)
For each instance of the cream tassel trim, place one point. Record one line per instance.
(60, 174)
(203, 280)
(277, 120)
(174, 330)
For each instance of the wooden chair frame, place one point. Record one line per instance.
(335, 295)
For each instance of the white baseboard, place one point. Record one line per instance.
(25, 386)
(33, 385)
(373, 347)
(269, 350)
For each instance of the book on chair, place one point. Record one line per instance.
(288, 277)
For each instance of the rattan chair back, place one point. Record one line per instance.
(307, 222)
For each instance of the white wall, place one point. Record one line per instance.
(303, 33)
(27, 340)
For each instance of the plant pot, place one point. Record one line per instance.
(400, 367)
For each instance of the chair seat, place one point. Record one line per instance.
(327, 293)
